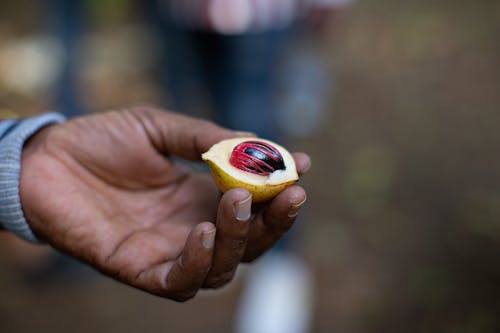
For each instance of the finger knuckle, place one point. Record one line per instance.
(239, 243)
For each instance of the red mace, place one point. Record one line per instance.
(257, 157)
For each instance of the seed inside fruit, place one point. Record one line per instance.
(257, 157)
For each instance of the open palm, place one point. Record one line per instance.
(105, 189)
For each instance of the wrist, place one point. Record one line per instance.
(11, 149)
(32, 158)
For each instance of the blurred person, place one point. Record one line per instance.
(233, 52)
(106, 190)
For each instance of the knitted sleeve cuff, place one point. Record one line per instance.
(15, 134)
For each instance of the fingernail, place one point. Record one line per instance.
(243, 209)
(208, 239)
(294, 210)
(243, 133)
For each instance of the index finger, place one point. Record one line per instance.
(233, 222)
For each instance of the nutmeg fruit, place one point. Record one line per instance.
(261, 166)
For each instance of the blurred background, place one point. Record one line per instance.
(403, 217)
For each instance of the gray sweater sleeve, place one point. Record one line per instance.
(13, 135)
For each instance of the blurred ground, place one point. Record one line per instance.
(404, 197)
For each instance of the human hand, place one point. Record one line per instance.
(104, 189)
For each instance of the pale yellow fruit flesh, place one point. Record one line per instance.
(263, 188)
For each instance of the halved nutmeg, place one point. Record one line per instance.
(261, 166)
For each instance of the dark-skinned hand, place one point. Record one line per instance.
(105, 189)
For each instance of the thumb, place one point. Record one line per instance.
(173, 133)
